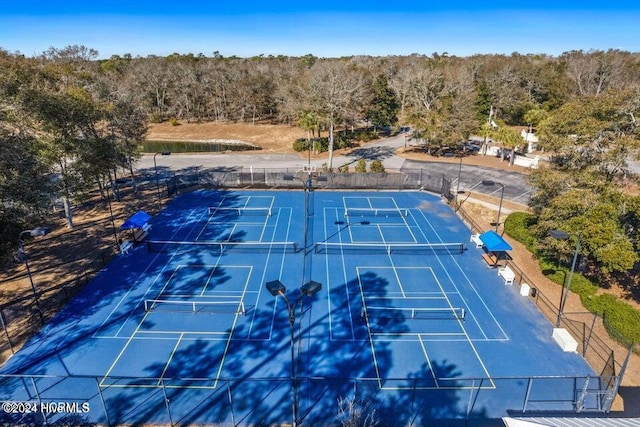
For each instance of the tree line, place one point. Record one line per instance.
(70, 121)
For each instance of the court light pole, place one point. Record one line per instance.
(308, 188)
(491, 184)
(309, 289)
(563, 235)
(36, 232)
(458, 182)
(155, 167)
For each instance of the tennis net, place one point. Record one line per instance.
(448, 313)
(185, 306)
(220, 246)
(390, 248)
(372, 212)
(239, 211)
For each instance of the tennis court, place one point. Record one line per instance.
(410, 322)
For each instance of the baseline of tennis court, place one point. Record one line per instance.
(409, 320)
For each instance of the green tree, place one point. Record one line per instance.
(383, 107)
(127, 127)
(598, 134)
(67, 122)
(309, 121)
(509, 139)
(594, 217)
(25, 186)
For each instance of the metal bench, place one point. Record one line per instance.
(475, 238)
(126, 246)
(507, 274)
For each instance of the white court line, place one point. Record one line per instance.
(182, 334)
(392, 266)
(166, 366)
(404, 219)
(143, 275)
(264, 270)
(451, 279)
(122, 350)
(328, 268)
(426, 356)
(469, 283)
(266, 221)
(460, 322)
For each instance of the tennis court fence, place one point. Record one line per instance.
(118, 400)
(404, 179)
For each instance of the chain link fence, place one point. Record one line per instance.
(35, 399)
(405, 179)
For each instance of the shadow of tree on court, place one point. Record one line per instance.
(335, 361)
(244, 376)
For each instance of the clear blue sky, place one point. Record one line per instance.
(325, 28)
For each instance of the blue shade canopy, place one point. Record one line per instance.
(139, 219)
(493, 242)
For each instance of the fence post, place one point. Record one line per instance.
(166, 401)
(230, 394)
(6, 332)
(527, 394)
(588, 340)
(583, 395)
(35, 388)
(104, 404)
(616, 385)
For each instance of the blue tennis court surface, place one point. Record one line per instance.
(410, 321)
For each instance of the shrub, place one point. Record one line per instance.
(517, 226)
(376, 166)
(300, 144)
(319, 145)
(344, 168)
(341, 140)
(621, 319)
(361, 166)
(174, 122)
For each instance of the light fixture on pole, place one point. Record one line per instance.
(308, 188)
(309, 289)
(563, 235)
(36, 232)
(491, 184)
(155, 167)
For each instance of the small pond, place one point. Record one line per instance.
(195, 146)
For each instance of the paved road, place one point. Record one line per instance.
(516, 187)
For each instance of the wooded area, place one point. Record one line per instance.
(69, 122)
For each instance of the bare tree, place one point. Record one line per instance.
(354, 413)
(596, 71)
(334, 88)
